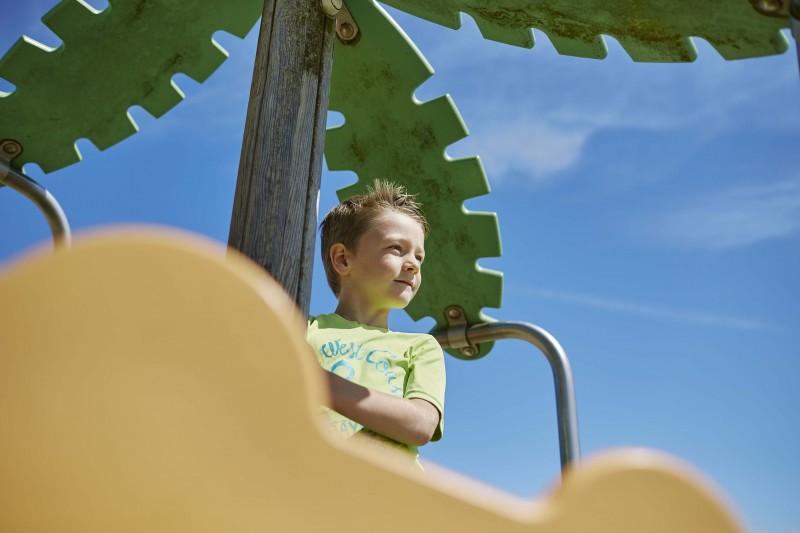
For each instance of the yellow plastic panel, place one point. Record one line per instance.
(147, 383)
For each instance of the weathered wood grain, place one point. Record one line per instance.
(275, 206)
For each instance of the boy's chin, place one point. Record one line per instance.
(401, 302)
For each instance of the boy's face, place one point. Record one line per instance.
(384, 269)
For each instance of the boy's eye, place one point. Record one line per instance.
(396, 247)
(420, 258)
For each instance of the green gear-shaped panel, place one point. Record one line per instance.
(649, 30)
(109, 61)
(388, 134)
(60, 98)
(80, 91)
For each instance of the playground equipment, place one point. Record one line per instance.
(376, 59)
(46, 202)
(376, 70)
(173, 390)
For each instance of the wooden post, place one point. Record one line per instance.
(274, 217)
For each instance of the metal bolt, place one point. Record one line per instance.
(453, 312)
(347, 31)
(10, 148)
(469, 351)
(769, 6)
(331, 7)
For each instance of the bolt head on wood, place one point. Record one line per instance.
(331, 7)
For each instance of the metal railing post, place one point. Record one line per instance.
(566, 409)
(46, 202)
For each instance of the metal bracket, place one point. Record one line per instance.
(457, 331)
(47, 204)
(346, 27)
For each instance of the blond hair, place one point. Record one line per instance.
(349, 220)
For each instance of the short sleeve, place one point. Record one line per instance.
(426, 377)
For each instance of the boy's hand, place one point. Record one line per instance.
(410, 421)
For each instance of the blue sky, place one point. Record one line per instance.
(650, 216)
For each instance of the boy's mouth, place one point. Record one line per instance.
(409, 283)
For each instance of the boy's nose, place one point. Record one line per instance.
(412, 264)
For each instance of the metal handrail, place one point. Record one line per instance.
(566, 410)
(46, 202)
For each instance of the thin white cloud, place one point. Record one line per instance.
(737, 217)
(508, 94)
(651, 311)
(535, 150)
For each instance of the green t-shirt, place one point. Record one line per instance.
(407, 365)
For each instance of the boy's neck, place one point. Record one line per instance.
(362, 315)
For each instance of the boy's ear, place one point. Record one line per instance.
(338, 254)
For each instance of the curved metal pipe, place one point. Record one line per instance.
(567, 413)
(46, 202)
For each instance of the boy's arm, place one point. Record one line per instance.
(408, 420)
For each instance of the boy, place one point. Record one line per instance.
(384, 384)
